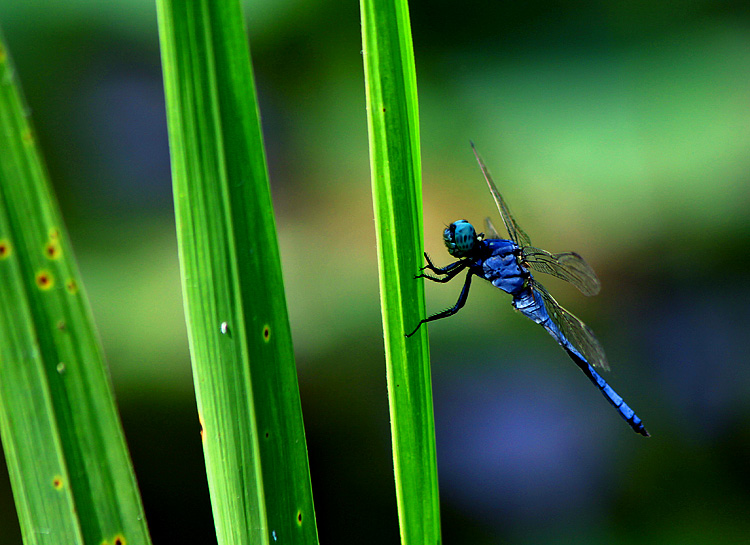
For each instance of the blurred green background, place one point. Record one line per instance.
(619, 130)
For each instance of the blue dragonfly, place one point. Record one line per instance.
(506, 265)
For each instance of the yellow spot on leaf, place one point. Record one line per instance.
(4, 248)
(44, 280)
(71, 286)
(57, 482)
(52, 250)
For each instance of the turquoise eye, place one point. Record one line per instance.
(460, 238)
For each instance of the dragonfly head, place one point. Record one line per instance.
(460, 238)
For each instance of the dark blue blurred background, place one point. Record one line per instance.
(620, 130)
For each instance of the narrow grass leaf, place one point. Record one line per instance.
(393, 124)
(70, 471)
(235, 307)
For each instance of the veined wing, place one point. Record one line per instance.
(569, 266)
(575, 331)
(490, 231)
(517, 234)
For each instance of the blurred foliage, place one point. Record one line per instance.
(620, 130)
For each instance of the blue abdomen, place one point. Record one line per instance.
(530, 303)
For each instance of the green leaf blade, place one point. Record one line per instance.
(240, 340)
(71, 474)
(393, 125)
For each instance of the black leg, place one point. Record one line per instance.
(440, 270)
(431, 266)
(451, 311)
(449, 270)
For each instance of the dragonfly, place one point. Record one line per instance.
(507, 265)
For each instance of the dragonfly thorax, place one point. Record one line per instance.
(460, 238)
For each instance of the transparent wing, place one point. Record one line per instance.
(517, 234)
(577, 333)
(569, 266)
(489, 229)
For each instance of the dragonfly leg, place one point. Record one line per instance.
(450, 311)
(440, 270)
(449, 270)
(429, 265)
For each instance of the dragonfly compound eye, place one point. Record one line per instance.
(460, 238)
